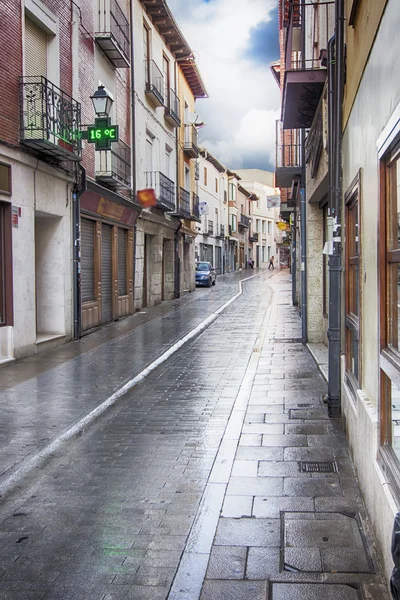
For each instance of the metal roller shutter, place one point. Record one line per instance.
(122, 261)
(87, 259)
(106, 273)
(35, 51)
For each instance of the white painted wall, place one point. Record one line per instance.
(37, 188)
(377, 98)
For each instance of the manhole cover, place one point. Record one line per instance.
(314, 591)
(323, 542)
(318, 467)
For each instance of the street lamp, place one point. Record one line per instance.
(102, 102)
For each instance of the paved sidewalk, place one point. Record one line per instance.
(220, 477)
(44, 395)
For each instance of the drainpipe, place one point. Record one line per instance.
(133, 137)
(76, 233)
(177, 280)
(336, 82)
(303, 207)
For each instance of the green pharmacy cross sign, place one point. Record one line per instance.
(102, 133)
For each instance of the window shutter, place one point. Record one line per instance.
(35, 50)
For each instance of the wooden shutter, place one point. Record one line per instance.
(122, 291)
(35, 50)
(87, 259)
(106, 273)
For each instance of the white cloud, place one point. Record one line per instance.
(244, 98)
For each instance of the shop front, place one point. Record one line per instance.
(107, 257)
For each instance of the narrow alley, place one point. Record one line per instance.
(217, 476)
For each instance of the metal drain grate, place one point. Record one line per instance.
(318, 467)
(305, 405)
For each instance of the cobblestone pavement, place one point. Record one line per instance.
(42, 396)
(233, 422)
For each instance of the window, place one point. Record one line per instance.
(264, 227)
(5, 265)
(269, 227)
(205, 176)
(187, 178)
(168, 162)
(5, 179)
(216, 221)
(389, 260)
(232, 192)
(233, 222)
(263, 253)
(352, 273)
(258, 225)
(216, 185)
(146, 52)
(167, 83)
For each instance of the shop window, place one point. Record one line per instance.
(352, 274)
(5, 179)
(389, 293)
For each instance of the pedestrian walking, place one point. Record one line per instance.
(271, 263)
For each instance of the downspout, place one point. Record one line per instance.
(177, 293)
(133, 140)
(335, 199)
(303, 205)
(76, 233)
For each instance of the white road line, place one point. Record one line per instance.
(9, 482)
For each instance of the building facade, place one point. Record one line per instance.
(346, 194)
(166, 140)
(263, 231)
(212, 185)
(38, 151)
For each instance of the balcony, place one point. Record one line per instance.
(113, 167)
(288, 155)
(50, 120)
(309, 27)
(244, 221)
(253, 237)
(184, 204)
(195, 216)
(221, 234)
(191, 144)
(112, 33)
(172, 106)
(154, 84)
(314, 143)
(164, 189)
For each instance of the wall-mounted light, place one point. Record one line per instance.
(102, 102)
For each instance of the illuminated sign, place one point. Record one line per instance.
(102, 133)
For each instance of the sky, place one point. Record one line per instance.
(234, 42)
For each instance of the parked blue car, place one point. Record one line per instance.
(205, 274)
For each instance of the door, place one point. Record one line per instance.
(146, 269)
(257, 256)
(164, 258)
(122, 242)
(106, 273)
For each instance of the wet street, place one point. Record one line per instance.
(217, 476)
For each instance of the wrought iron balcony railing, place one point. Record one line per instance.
(221, 234)
(244, 221)
(112, 33)
(172, 106)
(50, 120)
(191, 144)
(154, 83)
(114, 166)
(314, 142)
(184, 204)
(309, 26)
(288, 155)
(195, 208)
(253, 237)
(164, 188)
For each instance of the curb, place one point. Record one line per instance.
(30, 463)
